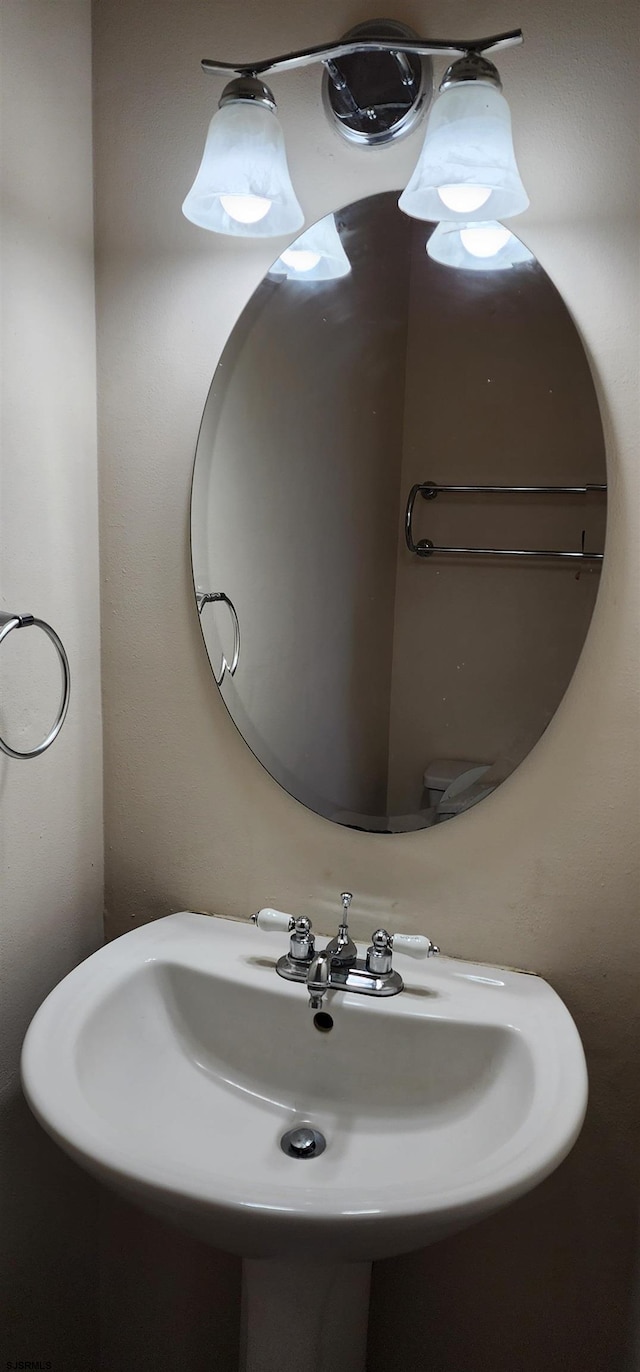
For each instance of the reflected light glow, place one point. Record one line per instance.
(484, 240)
(300, 259)
(479, 246)
(317, 255)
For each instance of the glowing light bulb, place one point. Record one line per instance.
(484, 240)
(464, 199)
(300, 259)
(245, 209)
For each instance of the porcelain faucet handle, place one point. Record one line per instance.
(383, 944)
(413, 945)
(273, 921)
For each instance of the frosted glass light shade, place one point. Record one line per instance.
(243, 185)
(477, 247)
(317, 255)
(467, 168)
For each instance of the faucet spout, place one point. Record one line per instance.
(318, 978)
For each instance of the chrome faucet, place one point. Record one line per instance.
(318, 978)
(338, 967)
(339, 954)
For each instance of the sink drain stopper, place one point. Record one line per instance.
(303, 1142)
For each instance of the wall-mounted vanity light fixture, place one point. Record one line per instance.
(467, 168)
(243, 184)
(377, 84)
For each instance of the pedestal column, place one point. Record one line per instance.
(304, 1317)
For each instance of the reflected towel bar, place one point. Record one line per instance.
(429, 490)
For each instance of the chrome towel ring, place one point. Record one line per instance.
(9, 622)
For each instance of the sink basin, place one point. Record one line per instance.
(171, 1063)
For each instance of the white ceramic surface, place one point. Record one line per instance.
(171, 1062)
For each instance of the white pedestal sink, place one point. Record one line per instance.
(171, 1063)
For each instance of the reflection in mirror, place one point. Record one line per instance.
(477, 247)
(389, 676)
(317, 255)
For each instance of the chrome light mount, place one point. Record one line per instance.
(377, 97)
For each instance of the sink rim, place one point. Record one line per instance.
(530, 1153)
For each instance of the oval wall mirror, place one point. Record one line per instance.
(398, 515)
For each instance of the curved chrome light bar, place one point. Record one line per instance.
(417, 47)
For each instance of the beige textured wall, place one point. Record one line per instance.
(545, 872)
(50, 807)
